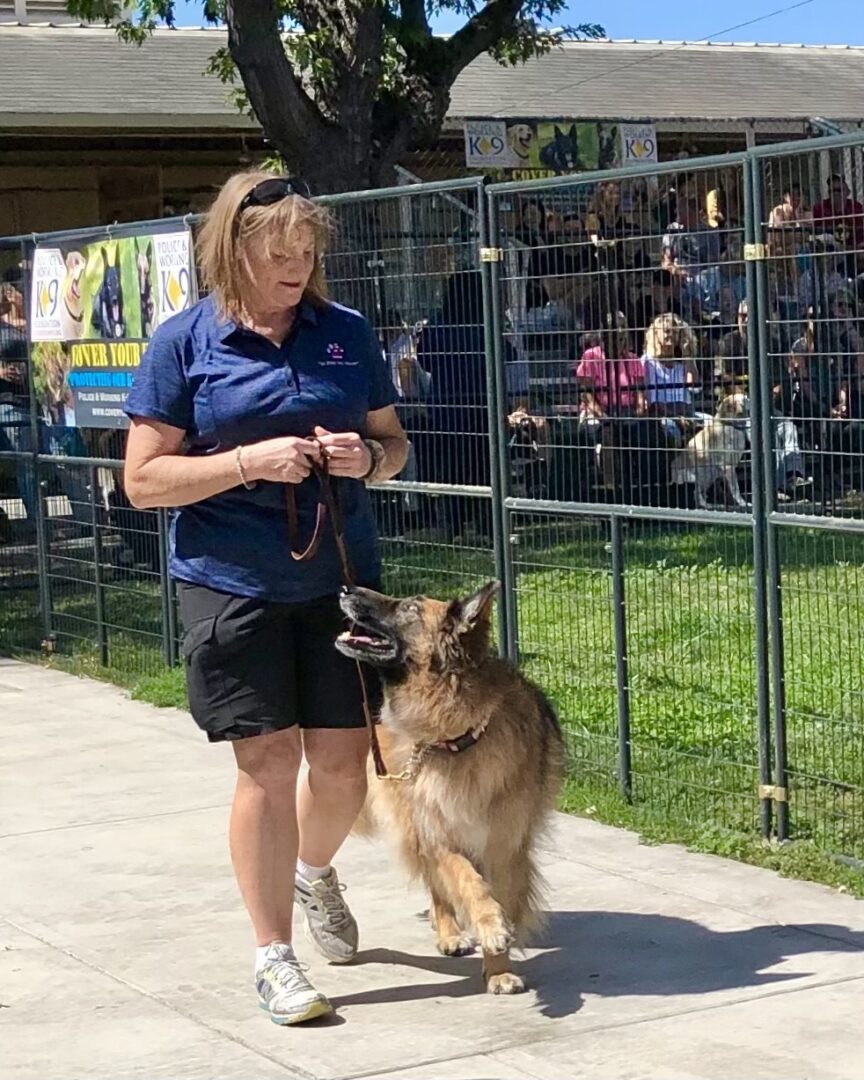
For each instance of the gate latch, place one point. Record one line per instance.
(773, 792)
(491, 254)
(755, 252)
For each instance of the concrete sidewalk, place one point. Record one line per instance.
(124, 950)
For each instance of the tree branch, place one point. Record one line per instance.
(480, 33)
(414, 19)
(284, 109)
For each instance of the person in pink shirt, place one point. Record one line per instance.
(610, 374)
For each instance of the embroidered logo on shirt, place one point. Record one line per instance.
(336, 357)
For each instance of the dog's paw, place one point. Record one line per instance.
(456, 945)
(505, 983)
(495, 937)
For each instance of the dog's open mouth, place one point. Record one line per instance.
(363, 644)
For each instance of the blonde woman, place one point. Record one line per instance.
(236, 402)
(670, 373)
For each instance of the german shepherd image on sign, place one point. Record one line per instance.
(476, 760)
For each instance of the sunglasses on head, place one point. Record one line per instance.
(272, 191)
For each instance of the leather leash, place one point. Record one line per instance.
(329, 506)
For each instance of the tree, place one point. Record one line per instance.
(344, 88)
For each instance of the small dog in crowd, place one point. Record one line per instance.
(716, 452)
(477, 757)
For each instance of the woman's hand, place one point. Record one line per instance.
(346, 453)
(286, 460)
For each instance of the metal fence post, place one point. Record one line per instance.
(42, 539)
(622, 679)
(101, 631)
(760, 444)
(168, 646)
(771, 569)
(501, 479)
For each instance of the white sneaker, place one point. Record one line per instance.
(329, 923)
(284, 991)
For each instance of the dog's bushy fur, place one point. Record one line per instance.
(467, 823)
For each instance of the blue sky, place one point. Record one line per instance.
(820, 22)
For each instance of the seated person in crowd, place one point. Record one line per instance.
(723, 202)
(670, 373)
(824, 275)
(842, 216)
(689, 247)
(827, 366)
(791, 211)
(534, 234)
(732, 352)
(653, 292)
(610, 374)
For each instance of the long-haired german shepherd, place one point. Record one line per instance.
(481, 757)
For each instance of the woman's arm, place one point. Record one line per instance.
(157, 473)
(384, 426)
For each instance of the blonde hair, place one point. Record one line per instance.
(226, 233)
(682, 348)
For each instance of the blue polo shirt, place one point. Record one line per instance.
(225, 386)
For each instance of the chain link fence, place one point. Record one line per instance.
(634, 397)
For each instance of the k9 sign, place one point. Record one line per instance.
(638, 143)
(487, 145)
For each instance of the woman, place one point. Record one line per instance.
(610, 376)
(237, 405)
(670, 373)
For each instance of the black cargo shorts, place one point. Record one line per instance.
(256, 666)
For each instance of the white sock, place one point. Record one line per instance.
(311, 873)
(286, 952)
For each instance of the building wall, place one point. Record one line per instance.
(49, 182)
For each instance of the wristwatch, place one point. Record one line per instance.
(377, 453)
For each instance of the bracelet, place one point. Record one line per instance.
(241, 472)
(376, 452)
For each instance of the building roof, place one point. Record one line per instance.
(82, 76)
(670, 80)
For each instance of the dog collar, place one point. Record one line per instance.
(422, 750)
(464, 741)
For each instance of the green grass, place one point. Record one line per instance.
(691, 646)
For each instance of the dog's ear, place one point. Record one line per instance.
(473, 610)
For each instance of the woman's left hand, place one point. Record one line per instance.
(345, 452)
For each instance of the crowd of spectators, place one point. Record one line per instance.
(627, 323)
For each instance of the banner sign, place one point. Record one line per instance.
(487, 146)
(93, 308)
(638, 143)
(532, 149)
